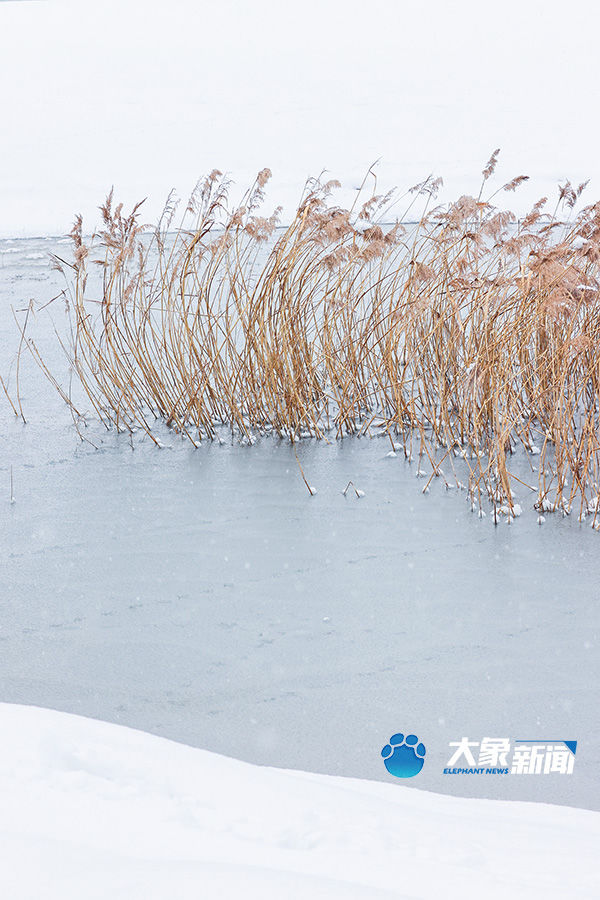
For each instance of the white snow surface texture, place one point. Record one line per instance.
(96, 810)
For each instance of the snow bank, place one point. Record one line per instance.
(96, 810)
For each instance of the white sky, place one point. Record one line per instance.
(149, 96)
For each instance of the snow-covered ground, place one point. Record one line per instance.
(96, 810)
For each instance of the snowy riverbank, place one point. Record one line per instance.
(98, 810)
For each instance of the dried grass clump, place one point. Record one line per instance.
(469, 332)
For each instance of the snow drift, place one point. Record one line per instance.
(96, 810)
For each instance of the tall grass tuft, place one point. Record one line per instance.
(469, 333)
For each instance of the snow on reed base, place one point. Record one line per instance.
(468, 332)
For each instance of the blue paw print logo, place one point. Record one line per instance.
(404, 756)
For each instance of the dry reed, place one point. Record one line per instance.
(469, 332)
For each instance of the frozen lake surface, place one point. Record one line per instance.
(203, 594)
